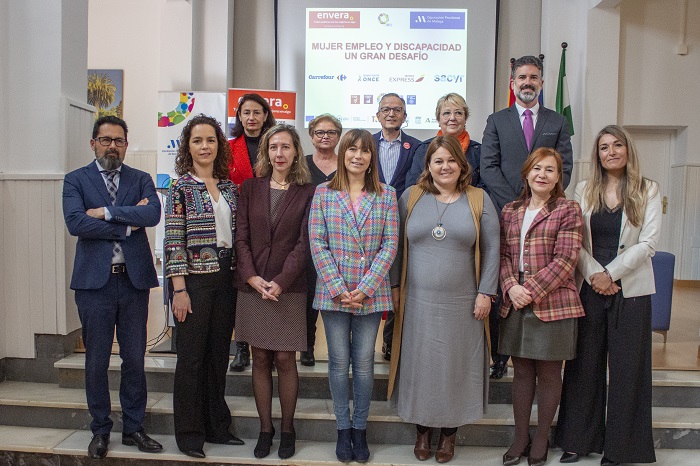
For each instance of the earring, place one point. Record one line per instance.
(369, 170)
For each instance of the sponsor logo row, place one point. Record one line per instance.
(407, 78)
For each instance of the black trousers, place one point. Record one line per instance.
(203, 340)
(494, 325)
(311, 313)
(615, 334)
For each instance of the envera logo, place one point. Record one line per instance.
(334, 19)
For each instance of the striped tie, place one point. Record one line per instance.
(112, 190)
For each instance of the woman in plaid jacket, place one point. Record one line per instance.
(540, 241)
(353, 230)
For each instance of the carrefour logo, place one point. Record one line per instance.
(321, 76)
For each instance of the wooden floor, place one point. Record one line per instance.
(680, 352)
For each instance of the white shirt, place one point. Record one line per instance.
(222, 219)
(527, 221)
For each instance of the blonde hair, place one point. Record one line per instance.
(454, 99)
(299, 173)
(365, 140)
(633, 186)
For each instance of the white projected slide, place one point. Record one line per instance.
(356, 55)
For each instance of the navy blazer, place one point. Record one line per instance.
(398, 182)
(472, 154)
(85, 189)
(504, 150)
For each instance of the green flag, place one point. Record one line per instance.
(563, 104)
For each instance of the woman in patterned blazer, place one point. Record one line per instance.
(353, 230)
(200, 221)
(540, 240)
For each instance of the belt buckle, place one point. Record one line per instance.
(224, 253)
(118, 268)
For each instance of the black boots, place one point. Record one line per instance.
(242, 358)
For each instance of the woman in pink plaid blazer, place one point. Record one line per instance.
(541, 235)
(353, 230)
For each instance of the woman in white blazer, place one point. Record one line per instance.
(622, 222)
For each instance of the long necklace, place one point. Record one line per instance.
(439, 232)
(284, 186)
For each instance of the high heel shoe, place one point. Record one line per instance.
(512, 460)
(287, 445)
(538, 461)
(262, 448)
(569, 457)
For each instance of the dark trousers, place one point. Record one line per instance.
(311, 313)
(494, 323)
(615, 334)
(203, 340)
(118, 304)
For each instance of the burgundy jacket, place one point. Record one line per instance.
(550, 254)
(277, 252)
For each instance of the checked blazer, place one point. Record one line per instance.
(351, 253)
(550, 254)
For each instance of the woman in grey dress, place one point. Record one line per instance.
(448, 261)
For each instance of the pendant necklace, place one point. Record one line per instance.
(439, 232)
(284, 186)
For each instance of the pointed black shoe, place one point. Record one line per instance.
(306, 358)
(568, 457)
(242, 358)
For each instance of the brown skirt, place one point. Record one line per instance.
(272, 325)
(524, 335)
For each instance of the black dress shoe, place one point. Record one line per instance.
(387, 353)
(143, 441)
(195, 453)
(568, 457)
(98, 446)
(608, 462)
(262, 449)
(306, 358)
(242, 358)
(498, 370)
(287, 445)
(230, 440)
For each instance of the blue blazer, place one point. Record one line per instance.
(85, 189)
(398, 182)
(504, 151)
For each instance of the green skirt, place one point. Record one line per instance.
(524, 335)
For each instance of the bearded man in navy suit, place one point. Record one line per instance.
(395, 151)
(107, 205)
(505, 147)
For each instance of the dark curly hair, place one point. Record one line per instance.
(184, 162)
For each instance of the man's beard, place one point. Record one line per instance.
(109, 163)
(529, 97)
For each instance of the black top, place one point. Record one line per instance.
(605, 234)
(317, 176)
(252, 143)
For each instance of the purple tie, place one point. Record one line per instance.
(528, 128)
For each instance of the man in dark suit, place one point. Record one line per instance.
(395, 151)
(510, 135)
(107, 205)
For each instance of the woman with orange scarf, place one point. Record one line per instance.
(452, 113)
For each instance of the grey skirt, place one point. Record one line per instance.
(524, 335)
(272, 325)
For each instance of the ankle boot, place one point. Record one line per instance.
(242, 358)
(343, 448)
(360, 449)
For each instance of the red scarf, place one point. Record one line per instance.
(463, 139)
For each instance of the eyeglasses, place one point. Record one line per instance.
(330, 133)
(105, 141)
(456, 114)
(388, 110)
